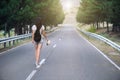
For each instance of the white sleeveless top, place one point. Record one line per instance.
(34, 28)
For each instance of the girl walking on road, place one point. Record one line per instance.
(37, 32)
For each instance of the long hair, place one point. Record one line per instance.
(38, 22)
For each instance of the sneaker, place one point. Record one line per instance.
(37, 66)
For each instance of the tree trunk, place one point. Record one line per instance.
(103, 24)
(20, 30)
(16, 30)
(9, 33)
(5, 31)
(9, 36)
(97, 25)
(27, 29)
(30, 28)
(24, 30)
(107, 27)
(114, 27)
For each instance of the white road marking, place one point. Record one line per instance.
(31, 75)
(101, 53)
(41, 62)
(109, 59)
(59, 39)
(34, 71)
(106, 57)
(54, 46)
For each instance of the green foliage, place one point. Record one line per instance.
(96, 11)
(50, 11)
(92, 29)
(18, 13)
(92, 11)
(116, 11)
(14, 12)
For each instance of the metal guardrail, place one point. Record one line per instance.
(111, 43)
(9, 39)
(14, 38)
(19, 37)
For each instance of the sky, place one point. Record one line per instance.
(74, 2)
(68, 6)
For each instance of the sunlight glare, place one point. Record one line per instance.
(67, 5)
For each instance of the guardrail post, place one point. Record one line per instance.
(5, 45)
(9, 43)
(13, 42)
(17, 40)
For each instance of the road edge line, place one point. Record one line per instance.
(112, 62)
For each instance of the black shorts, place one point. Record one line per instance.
(40, 42)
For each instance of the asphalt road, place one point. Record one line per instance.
(69, 57)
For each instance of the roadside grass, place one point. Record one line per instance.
(2, 34)
(115, 37)
(92, 29)
(112, 53)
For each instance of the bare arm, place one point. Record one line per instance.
(33, 36)
(44, 34)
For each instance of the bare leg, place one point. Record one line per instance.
(38, 47)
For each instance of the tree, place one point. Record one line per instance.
(15, 14)
(115, 18)
(50, 11)
(94, 11)
(19, 13)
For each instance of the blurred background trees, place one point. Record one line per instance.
(100, 11)
(18, 14)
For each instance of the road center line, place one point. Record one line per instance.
(42, 61)
(31, 75)
(59, 39)
(34, 71)
(54, 46)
